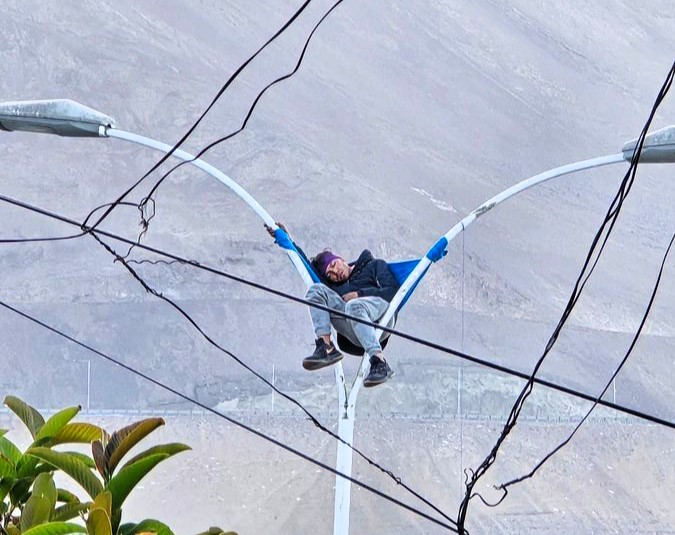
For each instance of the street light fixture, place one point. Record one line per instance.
(69, 118)
(62, 117)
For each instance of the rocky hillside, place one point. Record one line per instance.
(402, 119)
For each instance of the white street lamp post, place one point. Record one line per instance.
(69, 118)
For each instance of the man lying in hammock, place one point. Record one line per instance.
(363, 289)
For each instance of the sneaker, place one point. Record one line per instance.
(379, 372)
(322, 356)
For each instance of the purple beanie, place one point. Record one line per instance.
(322, 260)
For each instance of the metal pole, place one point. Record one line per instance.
(343, 487)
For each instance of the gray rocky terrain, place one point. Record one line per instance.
(402, 119)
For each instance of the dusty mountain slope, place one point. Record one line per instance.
(401, 120)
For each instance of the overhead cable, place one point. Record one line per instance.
(504, 486)
(595, 251)
(213, 102)
(239, 424)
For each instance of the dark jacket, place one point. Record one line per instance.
(370, 277)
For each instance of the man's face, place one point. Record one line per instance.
(338, 270)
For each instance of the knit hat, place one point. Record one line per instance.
(321, 261)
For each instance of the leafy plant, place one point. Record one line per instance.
(20, 472)
(30, 502)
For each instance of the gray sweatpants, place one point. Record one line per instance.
(367, 308)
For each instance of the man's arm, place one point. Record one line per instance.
(386, 283)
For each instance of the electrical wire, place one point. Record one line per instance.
(146, 221)
(592, 258)
(443, 349)
(199, 120)
(504, 486)
(239, 424)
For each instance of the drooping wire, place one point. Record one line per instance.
(504, 486)
(237, 423)
(602, 236)
(146, 221)
(291, 399)
(199, 120)
(441, 348)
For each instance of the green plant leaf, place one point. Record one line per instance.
(98, 522)
(44, 486)
(83, 457)
(56, 528)
(65, 496)
(98, 452)
(78, 433)
(57, 422)
(169, 449)
(5, 486)
(148, 525)
(31, 418)
(8, 449)
(71, 466)
(69, 511)
(11, 529)
(104, 501)
(7, 468)
(126, 479)
(26, 467)
(123, 440)
(35, 512)
(20, 490)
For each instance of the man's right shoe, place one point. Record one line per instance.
(379, 373)
(322, 356)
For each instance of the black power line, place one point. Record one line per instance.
(504, 486)
(259, 434)
(145, 221)
(164, 158)
(465, 356)
(595, 251)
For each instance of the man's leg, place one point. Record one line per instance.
(371, 309)
(325, 353)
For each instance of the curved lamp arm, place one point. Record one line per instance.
(439, 249)
(224, 179)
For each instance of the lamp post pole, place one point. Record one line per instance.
(69, 118)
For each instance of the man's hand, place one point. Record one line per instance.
(271, 232)
(349, 296)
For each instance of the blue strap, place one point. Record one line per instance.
(438, 250)
(283, 240)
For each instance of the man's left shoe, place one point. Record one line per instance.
(379, 373)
